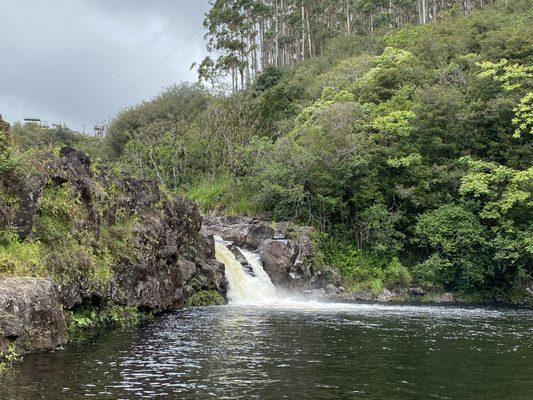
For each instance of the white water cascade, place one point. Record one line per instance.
(245, 289)
(259, 291)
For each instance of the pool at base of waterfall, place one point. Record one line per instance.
(343, 351)
(268, 345)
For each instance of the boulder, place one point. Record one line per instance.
(361, 295)
(417, 291)
(385, 295)
(278, 257)
(31, 316)
(444, 298)
(257, 234)
(331, 289)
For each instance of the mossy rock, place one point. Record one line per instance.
(205, 298)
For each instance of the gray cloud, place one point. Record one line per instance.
(56, 55)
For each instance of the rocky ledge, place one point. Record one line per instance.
(285, 249)
(126, 243)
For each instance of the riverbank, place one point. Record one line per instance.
(83, 246)
(292, 256)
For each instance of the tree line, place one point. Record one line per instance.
(246, 36)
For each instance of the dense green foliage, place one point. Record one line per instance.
(205, 298)
(109, 315)
(411, 151)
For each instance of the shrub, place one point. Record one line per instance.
(205, 298)
(8, 358)
(107, 315)
(396, 273)
(456, 242)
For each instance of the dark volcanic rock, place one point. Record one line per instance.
(165, 258)
(417, 291)
(257, 234)
(284, 251)
(31, 316)
(278, 257)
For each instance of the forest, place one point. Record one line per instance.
(245, 36)
(401, 130)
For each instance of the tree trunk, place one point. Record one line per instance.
(303, 30)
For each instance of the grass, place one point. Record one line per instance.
(209, 193)
(20, 258)
(223, 194)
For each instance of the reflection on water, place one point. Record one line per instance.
(295, 352)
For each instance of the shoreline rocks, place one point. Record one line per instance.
(31, 315)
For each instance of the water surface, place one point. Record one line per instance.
(301, 352)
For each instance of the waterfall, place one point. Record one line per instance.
(257, 289)
(245, 289)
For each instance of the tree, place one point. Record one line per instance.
(514, 78)
(455, 243)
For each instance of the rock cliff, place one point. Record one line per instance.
(103, 238)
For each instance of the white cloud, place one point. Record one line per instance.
(56, 55)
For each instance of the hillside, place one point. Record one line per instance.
(409, 149)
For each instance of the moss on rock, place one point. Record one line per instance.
(205, 298)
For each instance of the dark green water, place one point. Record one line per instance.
(315, 352)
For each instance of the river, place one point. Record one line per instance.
(268, 346)
(230, 352)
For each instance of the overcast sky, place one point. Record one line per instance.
(59, 58)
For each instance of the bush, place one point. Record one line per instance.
(456, 242)
(396, 274)
(107, 315)
(435, 272)
(205, 298)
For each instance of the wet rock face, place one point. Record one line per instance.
(278, 257)
(284, 251)
(31, 316)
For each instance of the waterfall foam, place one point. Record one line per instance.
(245, 289)
(259, 291)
